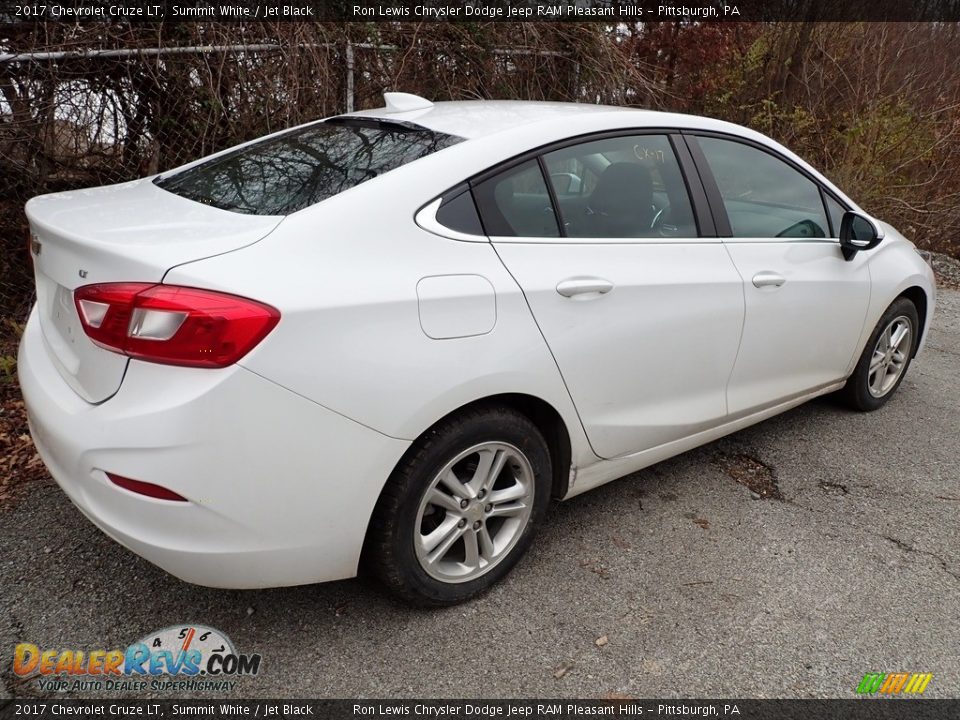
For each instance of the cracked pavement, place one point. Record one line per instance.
(701, 589)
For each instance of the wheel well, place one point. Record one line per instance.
(554, 430)
(918, 297)
(541, 414)
(548, 421)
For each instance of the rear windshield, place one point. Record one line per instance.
(281, 175)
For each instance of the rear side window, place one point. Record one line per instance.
(621, 187)
(516, 203)
(459, 213)
(280, 175)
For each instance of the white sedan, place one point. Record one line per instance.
(387, 339)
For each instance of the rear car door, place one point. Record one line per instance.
(805, 304)
(641, 309)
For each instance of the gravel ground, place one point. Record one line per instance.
(678, 581)
(946, 267)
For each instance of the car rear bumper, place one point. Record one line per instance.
(279, 488)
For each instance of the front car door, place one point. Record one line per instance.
(641, 311)
(805, 304)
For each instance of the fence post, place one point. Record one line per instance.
(349, 57)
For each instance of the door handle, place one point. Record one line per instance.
(768, 278)
(584, 286)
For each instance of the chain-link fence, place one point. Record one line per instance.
(75, 114)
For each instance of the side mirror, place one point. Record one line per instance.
(858, 232)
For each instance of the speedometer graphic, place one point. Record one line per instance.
(197, 642)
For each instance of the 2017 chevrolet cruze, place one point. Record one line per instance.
(389, 338)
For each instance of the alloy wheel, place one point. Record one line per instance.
(890, 356)
(474, 512)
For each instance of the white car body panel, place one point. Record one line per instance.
(607, 470)
(389, 325)
(802, 334)
(895, 266)
(648, 361)
(370, 322)
(258, 518)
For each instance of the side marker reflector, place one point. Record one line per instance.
(157, 492)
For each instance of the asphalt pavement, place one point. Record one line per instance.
(678, 581)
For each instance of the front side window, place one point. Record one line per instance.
(836, 211)
(764, 196)
(621, 187)
(283, 174)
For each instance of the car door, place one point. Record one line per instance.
(642, 312)
(805, 304)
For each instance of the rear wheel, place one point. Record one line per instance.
(461, 508)
(885, 358)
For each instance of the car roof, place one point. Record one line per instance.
(476, 118)
(471, 119)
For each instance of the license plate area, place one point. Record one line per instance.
(64, 316)
(93, 372)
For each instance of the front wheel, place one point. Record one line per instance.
(885, 359)
(461, 508)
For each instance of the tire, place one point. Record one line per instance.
(868, 390)
(434, 540)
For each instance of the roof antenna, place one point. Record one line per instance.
(400, 102)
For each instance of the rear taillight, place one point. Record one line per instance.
(173, 325)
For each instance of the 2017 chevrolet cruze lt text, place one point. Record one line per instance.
(387, 339)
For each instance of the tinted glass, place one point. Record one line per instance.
(516, 203)
(281, 175)
(622, 187)
(460, 213)
(836, 211)
(764, 196)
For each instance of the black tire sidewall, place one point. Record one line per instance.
(437, 448)
(857, 389)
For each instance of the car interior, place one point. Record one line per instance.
(631, 193)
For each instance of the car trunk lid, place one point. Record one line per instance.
(134, 232)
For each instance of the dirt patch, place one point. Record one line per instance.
(750, 472)
(832, 488)
(597, 567)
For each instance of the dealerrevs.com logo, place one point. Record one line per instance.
(178, 658)
(894, 683)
